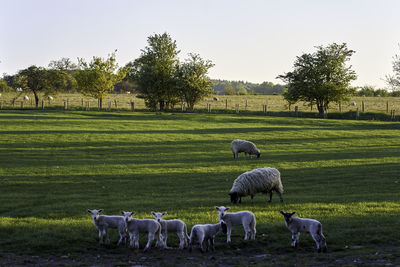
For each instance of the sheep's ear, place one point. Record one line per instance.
(291, 214)
(89, 211)
(153, 213)
(164, 213)
(227, 208)
(122, 212)
(216, 208)
(101, 210)
(282, 213)
(132, 213)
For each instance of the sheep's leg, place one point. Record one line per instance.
(253, 229)
(136, 239)
(234, 155)
(240, 199)
(130, 240)
(295, 239)
(247, 231)
(121, 236)
(280, 196)
(149, 241)
(270, 196)
(228, 233)
(165, 236)
(317, 240)
(212, 243)
(182, 239)
(201, 241)
(323, 243)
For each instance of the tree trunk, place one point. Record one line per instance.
(36, 99)
(101, 102)
(320, 109)
(162, 104)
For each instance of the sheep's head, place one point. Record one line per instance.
(127, 215)
(288, 216)
(234, 197)
(95, 213)
(258, 154)
(221, 211)
(158, 215)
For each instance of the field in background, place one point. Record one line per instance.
(55, 165)
(254, 102)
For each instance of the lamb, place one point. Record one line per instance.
(50, 98)
(175, 226)
(261, 180)
(26, 98)
(353, 103)
(136, 226)
(103, 222)
(245, 218)
(205, 234)
(297, 225)
(247, 147)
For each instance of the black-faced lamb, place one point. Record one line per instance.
(136, 226)
(245, 218)
(103, 222)
(262, 180)
(205, 234)
(297, 225)
(245, 146)
(174, 226)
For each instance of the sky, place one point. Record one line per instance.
(253, 40)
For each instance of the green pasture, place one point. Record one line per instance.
(55, 165)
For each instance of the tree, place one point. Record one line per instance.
(66, 69)
(98, 77)
(394, 80)
(192, 81)
(321, 77)
(4, 87)
(39, 80)
(229, 90)
(153, 72)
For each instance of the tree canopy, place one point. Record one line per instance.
(394, 80)
(97, 78)
(321, 77)
(192, 81)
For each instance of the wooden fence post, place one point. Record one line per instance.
(22, 104)
(115, 102)
(42, 104)
(357, 114)
(362, 105)
(82, 101)
(266, 107)
(226, 103)
(1, 105)
(245, 107)
(109, 105)
(132, 106)
(237, 108)
(65, 105)
(387, 106)
(325, 113)
(296, 111)
(340, 106)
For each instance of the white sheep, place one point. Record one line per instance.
(245, 146)
(353, 103)
(297, 225)
(26, 98)
(245, 218)
(205, 234)
(103, 222)
(261, 180)
(50, 98)
(136, 226)
(172, 226)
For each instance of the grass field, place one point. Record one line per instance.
(55, 165)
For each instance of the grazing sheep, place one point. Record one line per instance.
(297, 225)
(215, 98)
(26, 98)
(353, 103)
(103, 222)
(136, 226)
(247, 147)
(262, 180)
(245, 218)
(205, 234)
(50, 98)
(175, 226)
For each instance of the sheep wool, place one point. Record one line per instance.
(245, 146)
(262, 180)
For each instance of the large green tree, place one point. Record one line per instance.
(97, 78)
(153, 72)
(394, 80)
(192, 81)
(39, 80)
(67, 70)
(321, 77)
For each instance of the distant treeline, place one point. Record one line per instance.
(224, 87)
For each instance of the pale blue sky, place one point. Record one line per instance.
(246, 40)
